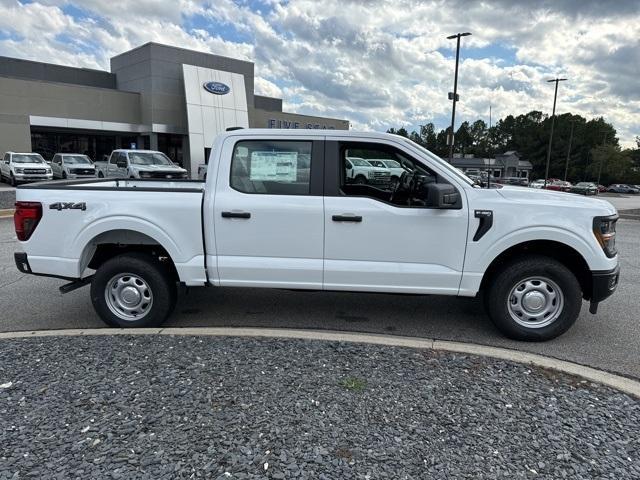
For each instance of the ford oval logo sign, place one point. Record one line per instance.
(217, 88)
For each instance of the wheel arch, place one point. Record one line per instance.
(100, 243)
(563, 253)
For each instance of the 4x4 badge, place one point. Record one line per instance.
(68, 206)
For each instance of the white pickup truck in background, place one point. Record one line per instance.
(139, 164)
(278, 210)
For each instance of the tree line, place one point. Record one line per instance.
(594, 145)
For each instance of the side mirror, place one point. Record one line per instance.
(442, 195)
(348, 167)
(121, 163)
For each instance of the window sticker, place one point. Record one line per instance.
(274, 166)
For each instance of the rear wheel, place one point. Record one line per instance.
(534, 298)
(133, 290)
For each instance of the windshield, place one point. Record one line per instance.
(27, 158)
(149, 158)
(392, 164)
(76, 160)
(442, 163)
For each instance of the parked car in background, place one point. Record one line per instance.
(622, 188)
(518, 181)
(362, 172)
(585, 188)
(395, 169)
(72, 165)
(558, 185)
(139, 164)
(537, 184)
(24, 167)
(602, 188)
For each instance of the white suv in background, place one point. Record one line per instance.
(358, 170)
(72, 165)
(395, 168)
(24, 167)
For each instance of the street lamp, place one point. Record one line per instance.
(553, 121)
(454, 96)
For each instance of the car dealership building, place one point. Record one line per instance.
(155, 97)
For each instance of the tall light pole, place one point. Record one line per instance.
(566, 164)
(604, 144)
(454, 96)
(553, 121)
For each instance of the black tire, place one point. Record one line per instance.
(100, 175)
(159, 281)
(498, 297)
(12, 181)
(360, 180)
(64, 175)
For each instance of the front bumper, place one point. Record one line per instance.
(603, 284)
(28, 177)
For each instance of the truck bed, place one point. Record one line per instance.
(77, 213)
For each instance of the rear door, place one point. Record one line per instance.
(386, 238)
(268, 213)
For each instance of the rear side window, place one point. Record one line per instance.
(272, 167)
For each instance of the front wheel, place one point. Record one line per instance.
(12, 181)
(534, 298)
(133, 290)
(100, 175)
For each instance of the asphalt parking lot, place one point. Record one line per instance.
(609, 340)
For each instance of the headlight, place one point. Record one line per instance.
(19, 170)
(145, 174)
(604, 228)
(48, 170)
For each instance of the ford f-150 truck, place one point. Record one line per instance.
(139, 164)
(277, 210)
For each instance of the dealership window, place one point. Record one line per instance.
(272, 167)
(48, 142)
(383, 173)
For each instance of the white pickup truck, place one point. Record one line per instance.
(139, 164)
(263, 218)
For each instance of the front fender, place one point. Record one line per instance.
(479, 258)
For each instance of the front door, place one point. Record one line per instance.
(268, 214)
(385, 237)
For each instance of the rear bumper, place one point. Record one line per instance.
(22, 263)
(603, 284)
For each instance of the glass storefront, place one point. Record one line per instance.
(47, 143)
(171, 146)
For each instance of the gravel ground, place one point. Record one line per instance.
(7, 199)
(211, 407)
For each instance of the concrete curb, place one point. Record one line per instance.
(624, 384)
(6, 212)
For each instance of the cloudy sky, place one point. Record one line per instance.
(376, 63)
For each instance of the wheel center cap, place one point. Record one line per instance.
(130, 295)
(534, 301)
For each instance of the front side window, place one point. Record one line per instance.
(384, 173)
(28, 158)
(271, 167)
(149, 158)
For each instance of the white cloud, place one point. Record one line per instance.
(380, 63)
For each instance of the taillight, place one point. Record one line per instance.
(26, 218)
